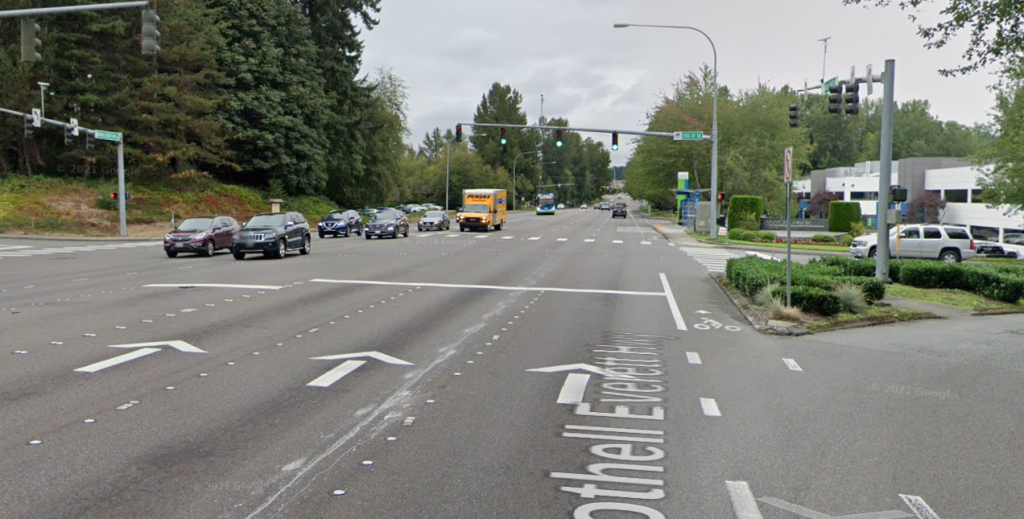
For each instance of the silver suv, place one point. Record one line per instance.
(945, 242)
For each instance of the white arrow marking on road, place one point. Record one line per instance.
(811, 514)
(339, 372)
(920, 507)
(742, 498)
(573, 389)
(145, 348)
(579, 367)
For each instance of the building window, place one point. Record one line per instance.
(977, 197)
(956, 195)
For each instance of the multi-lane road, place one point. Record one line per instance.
(567, 366)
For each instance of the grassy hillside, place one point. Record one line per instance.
(55, 206)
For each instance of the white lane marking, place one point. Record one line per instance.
(588, 240)
(742, 498)
(493, 287)
(920, 507)
(120, 359)
(451, 236)
(535, 238)
(713, 260)
(507, 237)
(482, 236)
(672, 306)
(422, 236)
(336, 373)
(562, 239)
(211, 285)
(616, 241)
(496, 337)
(792, 365)
(645, 243)
(710, 407)
(693, 357)
(573, 389)
(12, 247)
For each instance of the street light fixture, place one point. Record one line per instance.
(714, 115)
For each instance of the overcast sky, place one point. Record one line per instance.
(449, 52)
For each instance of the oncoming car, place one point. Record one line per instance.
(202, 235)
(273, 234)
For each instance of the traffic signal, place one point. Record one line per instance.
(30, 42)
(30, 128)
(835, 99)
(504, 139)
(558, 138)
(851, 99)
(794, 116)
(150, 35)
(69, 136)
(90, 141)
(458, 133)
(721, 197)
(113, 196)
(615, 141)
(898, 194)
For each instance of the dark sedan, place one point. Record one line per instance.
(340, 223)
(389, 222)
(202, 235)
(437, 220)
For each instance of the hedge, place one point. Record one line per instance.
(841, 215)
(751, 273)
(823, 238)
(745, 212)
(741, 234)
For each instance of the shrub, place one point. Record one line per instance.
(812, 299)
(764, 296)
(857, 229)
(994, 284)
(766, 236)
(934, 274)
(846, 239)
(841, 215)
(778, 310)
(745, 212)
(751, 273)
(741, 234)
(823, 238)
(851, 297)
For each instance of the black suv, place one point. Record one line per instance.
(272, 234)
(619, 210)
(389, 222)
(340, 223)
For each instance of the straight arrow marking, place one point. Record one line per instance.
(383, 357)
(811, 514)
(573, 389)
(579, 367)
(178, 345)
(919, 506)
(120, 359)
(337, 373)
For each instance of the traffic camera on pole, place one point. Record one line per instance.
(504, 138)
(30, 42)
(458, 132)
(558, 138)
(794, 116)
(150, 34)
(615, 141)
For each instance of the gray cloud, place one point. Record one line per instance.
(449, 52)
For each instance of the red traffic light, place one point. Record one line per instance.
(113, 196)
(721, 197)
(458, 133)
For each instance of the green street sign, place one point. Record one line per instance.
(831, 82)
(688, 136)
(107, 136)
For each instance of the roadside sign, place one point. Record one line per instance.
(722, 232)
(788, 165)
(688, 136)
(107, 136)
(831, 82)
(683, 175)
(37, 118)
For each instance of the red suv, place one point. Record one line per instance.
(203, 235)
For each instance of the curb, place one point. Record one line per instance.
(753, 316)
(803, 252)
(73, 238)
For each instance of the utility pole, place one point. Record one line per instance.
(885, 171)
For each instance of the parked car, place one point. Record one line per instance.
(431, 207)
(584, 206)
(990, 249)
(203, 235)
(434, 220)
(560, 207)
(944, 242)
(340, 223)
(619, 210)
(273, 234)
(390, 222)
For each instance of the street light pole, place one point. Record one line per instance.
(447, 173)
(714, 118)
(515, 199)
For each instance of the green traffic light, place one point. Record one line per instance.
(504, 142)
(615, 147)
(558, 144)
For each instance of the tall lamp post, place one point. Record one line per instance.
(515, 199)
(714, 117)
(447, 172)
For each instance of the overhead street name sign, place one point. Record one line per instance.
(688, 136)
(107, 136)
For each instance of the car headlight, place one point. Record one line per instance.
(199, 236)
(391, 227)
(168, 237)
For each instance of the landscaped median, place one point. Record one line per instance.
(837, 292)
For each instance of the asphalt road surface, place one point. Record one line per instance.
(569, 366)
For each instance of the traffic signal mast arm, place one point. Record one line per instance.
(43, 120)
(575, 129)
(21, 13)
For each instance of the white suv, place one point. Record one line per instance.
(944, 242)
